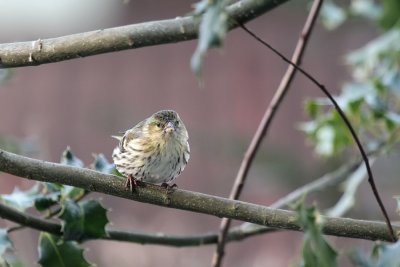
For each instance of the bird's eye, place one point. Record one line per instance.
(177, 122)
(158, 125)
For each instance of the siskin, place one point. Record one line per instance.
(156, 150)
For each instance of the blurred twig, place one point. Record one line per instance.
(264, 125)
(43, 51)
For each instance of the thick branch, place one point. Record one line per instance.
(181, 199)
(119, 38)
(237, 233)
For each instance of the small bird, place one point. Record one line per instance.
(155, 151)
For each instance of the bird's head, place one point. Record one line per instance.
(166, 124)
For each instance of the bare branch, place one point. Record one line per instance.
(333, 226)
(237, 233)
(180, 199)
(264, 126)
(119, 38)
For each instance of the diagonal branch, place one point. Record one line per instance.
(120, 38)
(264, 126)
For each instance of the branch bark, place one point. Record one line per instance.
(181, 199)
(237, 233)
(120, 38)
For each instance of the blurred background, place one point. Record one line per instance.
(82, 102)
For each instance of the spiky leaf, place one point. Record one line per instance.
(84, 220)
(212, 30)
(53, 251)
(22, 200)
(316, 250)
(69, 158)
(5, 242)
(101, 164)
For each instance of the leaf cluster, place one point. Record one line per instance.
(81, 220)
(372, 100)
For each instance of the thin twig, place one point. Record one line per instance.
(264, 126)
(344, 227)
(51, 214)
(348, 124)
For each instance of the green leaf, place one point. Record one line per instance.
(53, 251)
(389, 255)
(366, 8)
(212, 30)
(312, 108)
(22, 200)
(316, 250)
(332, 15)
(83, 221)
(5, 242)
(46, 201)
(382, 255)
(391, 14)
(325, 140)
(71, 192)
(68, 158)
(101, 164)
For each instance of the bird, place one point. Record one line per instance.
(154, 151)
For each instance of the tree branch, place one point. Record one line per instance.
(179, 199)
(264, 126)
(237, 233)
(182, 241)
(120, 38)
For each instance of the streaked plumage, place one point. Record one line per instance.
(156, 150)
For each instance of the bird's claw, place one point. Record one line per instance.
(131, 183)
(168, 187)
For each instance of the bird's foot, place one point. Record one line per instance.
(168, 186)
(131, 183)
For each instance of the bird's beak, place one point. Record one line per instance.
(169, 127)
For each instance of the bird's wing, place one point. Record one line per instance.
(130, 134)
(117, 137)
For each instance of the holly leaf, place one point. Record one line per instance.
(101, 164)
(22, 200)
(332, 15)
(53, 251)
(69, 158)
(5, 242)
(83, 221)
(316, 250)
(44, 202)
(212, 30)
(381, 256)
